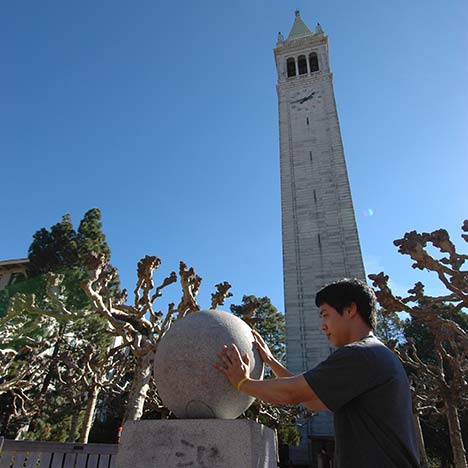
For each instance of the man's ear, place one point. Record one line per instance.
(352, 310)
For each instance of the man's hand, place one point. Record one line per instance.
(234, 366)
(287, 390)
(262, 348)
(267, 356)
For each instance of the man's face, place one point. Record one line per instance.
(334, 325)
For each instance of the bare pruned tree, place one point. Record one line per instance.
(21, 371)
(441, 384)
(60, 355)
(139, 325)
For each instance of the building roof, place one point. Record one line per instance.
(13, 262)
(299, 27)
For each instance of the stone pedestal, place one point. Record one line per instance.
(197, 443)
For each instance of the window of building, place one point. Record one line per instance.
(291, 66)
(16, 277)
(313, 62)
(302, 64)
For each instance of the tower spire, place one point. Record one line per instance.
(299, 27)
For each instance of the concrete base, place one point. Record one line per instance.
(197, 443)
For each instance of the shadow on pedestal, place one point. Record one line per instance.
(197, 443)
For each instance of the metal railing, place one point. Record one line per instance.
(28, 454)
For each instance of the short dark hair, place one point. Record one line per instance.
(343, 293)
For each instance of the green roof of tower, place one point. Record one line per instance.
(299, 27)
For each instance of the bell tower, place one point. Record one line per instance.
(320, 238)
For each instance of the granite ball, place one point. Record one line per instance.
(186, 379)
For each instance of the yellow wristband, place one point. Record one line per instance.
(241, 382)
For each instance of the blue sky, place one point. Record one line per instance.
(164, 115)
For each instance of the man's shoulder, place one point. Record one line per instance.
(372, 350)
(367, 353)
(352, 371)
(368, 344)
(381, 357)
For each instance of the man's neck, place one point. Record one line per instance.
(359, 334)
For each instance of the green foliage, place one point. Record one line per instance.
(93, 329)
(423, 337)
(437, 440)
(73, 295)
(109, 419)
(53, 250)
(90, 237)
(389, 328)
(289, 435)
(280, 418)
(62, 248)
(269, 322)
(55, 422)
(34, 285)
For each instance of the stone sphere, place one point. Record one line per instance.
(186, 379)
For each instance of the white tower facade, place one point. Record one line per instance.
(320, 238)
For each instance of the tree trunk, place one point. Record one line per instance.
(22, 431)
(74, 426)
(6, 412)
(422, 448)
(48, 377)
(89, 414)
(51, 370)
(456, 440)
(139, 388)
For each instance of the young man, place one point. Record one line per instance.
(362, 382)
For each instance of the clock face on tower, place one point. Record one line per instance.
(307, 95)
(305, 98)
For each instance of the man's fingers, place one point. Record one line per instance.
(258, 338)
(232, 357)
(221, 369)
(224, 358)
(235, 354)
(256, 334)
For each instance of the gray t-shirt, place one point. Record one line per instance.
(366, 387)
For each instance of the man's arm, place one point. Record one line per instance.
(280, 371)
(283, 390)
